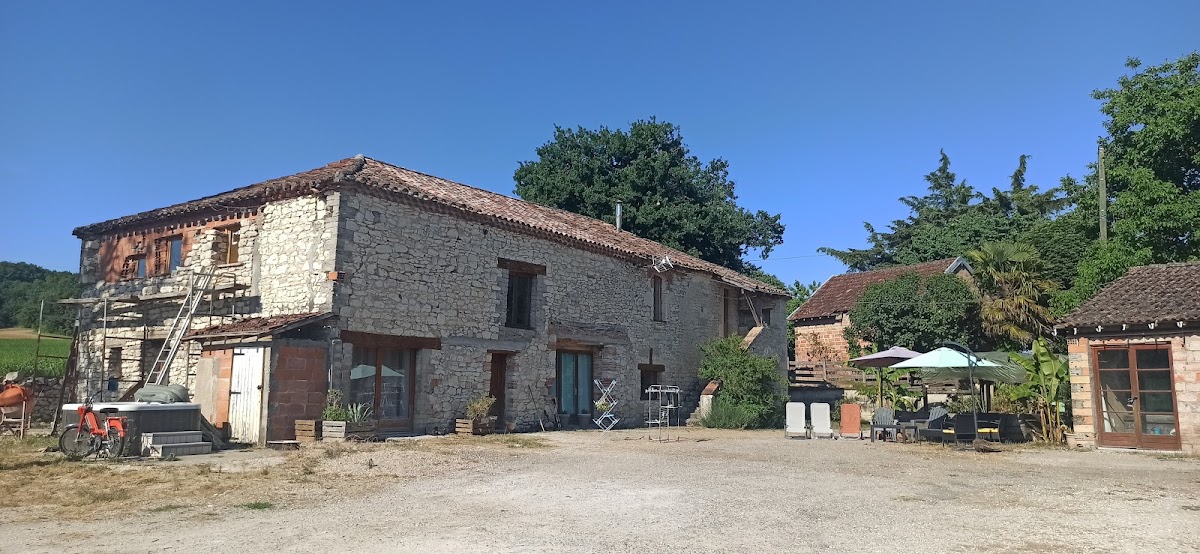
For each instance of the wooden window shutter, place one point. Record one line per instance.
(161, 254)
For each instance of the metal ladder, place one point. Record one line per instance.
(179, 327)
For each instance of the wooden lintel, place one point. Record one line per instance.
(392, 341)
(520, 267)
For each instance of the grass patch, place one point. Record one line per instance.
(17, 354)
(513, 441)
(258, 505)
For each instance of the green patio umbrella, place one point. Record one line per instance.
(961, 363)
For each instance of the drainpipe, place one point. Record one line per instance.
(618, 216)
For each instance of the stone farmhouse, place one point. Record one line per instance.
(821, 322)
(1134, 352)
(406, 292)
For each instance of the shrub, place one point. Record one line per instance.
(727, 415)
(749, 383)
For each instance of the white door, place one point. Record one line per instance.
(245, 394)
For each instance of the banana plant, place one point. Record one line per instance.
(1046, 373)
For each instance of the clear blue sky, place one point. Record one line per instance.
(827, 113)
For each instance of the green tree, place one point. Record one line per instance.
(953, 218)
(23, 286)
(750, 384)
(1014, 297)
(915, 312)
(1152, 164)
(669, 195)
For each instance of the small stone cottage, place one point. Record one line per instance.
(821, 322)
(1134, 353)
(406, 292)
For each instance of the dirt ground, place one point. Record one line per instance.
(608, 492)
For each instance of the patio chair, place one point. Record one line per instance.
(989, 426)
(963, 428)
(851, 424)
(795, 424)
(821, 424)
(936, 427)
(913, 427)
(885, 420)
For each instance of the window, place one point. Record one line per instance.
(231, 237)
(520, 295)
(134, 268)
(651, 375)
(766, 317)
(574, 383)
(657, 284)
(380, 378)
(114, 361)
(175, 244)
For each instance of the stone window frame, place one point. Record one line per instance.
(523, 274)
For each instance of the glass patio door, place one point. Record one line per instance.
(1136, 397)
(574, 385)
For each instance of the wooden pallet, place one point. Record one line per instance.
(308, 430)
(344, 430)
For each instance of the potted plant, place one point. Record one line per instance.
(345, 422)
(309, 430)
(477, 421)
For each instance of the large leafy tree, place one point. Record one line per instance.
(1014, 296)
(953, 218)
(669, 195)
(22, 288)
(1152, 163)
(915, 312)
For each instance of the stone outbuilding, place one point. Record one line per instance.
(821, 322)
(1135, 361)
(408, 293)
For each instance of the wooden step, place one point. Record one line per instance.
(179, 449)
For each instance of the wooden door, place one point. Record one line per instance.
(245, 395)
(499, 378)
(1135, 397)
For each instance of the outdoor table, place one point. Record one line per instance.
(916, 425)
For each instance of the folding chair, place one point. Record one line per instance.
(795, 424)
(851, 424)
(821, 424)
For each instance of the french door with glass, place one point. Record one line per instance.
(573, 386)
(382, 378)
(1135, 394)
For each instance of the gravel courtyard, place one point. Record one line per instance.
(617, 492)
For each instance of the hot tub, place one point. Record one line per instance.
(144, 417)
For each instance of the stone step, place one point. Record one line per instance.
(171, 437)
(179, 449)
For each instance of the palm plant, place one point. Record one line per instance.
(1046, 375)
(1014, 296)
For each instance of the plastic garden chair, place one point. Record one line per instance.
(851, 424)
(821, 425)
(796, 424)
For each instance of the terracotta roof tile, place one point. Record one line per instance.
(551, 223)
(840, 292)
(1145, 294)
(256, 326)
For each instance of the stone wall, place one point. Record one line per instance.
(1185, 362)
(286, 254)
(411, 272)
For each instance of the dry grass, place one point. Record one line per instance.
(44, 485)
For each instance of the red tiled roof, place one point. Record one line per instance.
(1145, 294)
(257, 326)
(462, 200)
(840, 292)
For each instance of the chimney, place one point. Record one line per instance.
(618, 216)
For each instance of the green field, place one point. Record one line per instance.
(16, 354)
